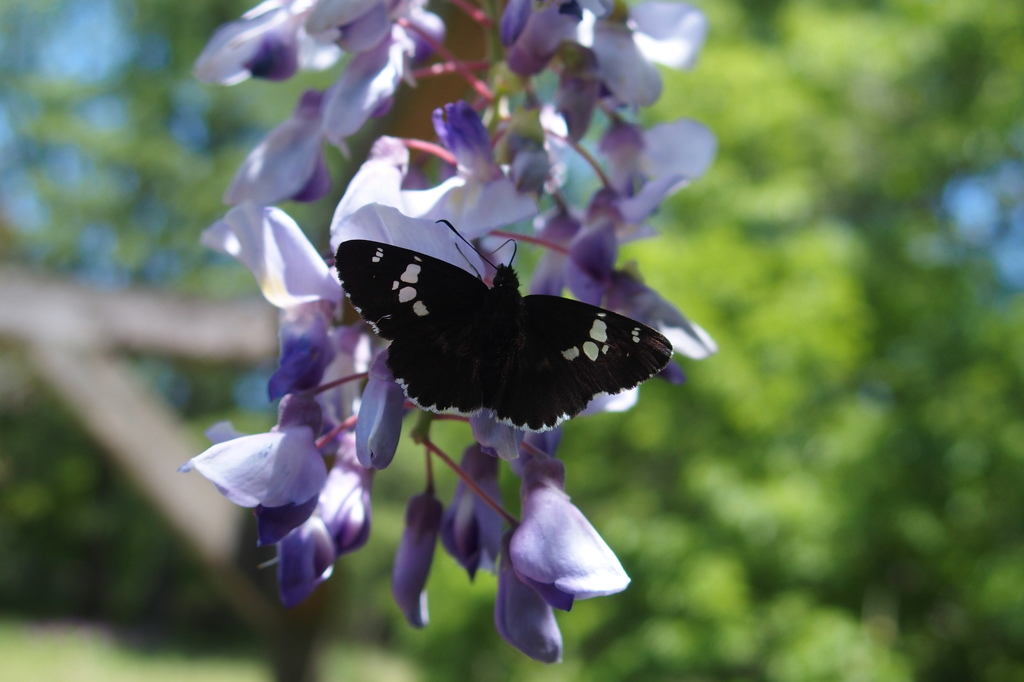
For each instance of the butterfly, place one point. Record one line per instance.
(457, 344)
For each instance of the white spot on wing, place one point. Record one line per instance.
(378, 254)
(411, 274)
(420, 309)
(636, 334)
(599, 331)
(590, 350)
(571, 353)
(406, 294)
(395, 285)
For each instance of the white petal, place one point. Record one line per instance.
(670, 33)
(272, 469)
(267, 241)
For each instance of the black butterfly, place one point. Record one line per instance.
(458, 345)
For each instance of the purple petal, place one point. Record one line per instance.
(318, 185)
(365, 32)
(388, 225)
(538, 40)
(286, 162)
(352, 355)
(630, 77)
(560, 228)
(345, 500)
(379, 426)
(328, 14)
(632, 298)
(378, 181)
(617, 402)
(503, 439)
(272, 469)
(263, 44)
(549, 593)
(591, 259)
(266, 240)
(306, 349)
(305, 558)
(578, 88)
(473, 207)
(428, 23)
(299, 409)
(460, 129)
(523, 618)
(670, 33)
(623, 145)
(555, 544)
(682, 147)
(222, 431)
(273, 523)
(369, 80)
(636, 209)
(513, 20)
(414, 556)
(470, 528)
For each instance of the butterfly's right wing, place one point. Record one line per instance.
(574, 352)
(426, 307)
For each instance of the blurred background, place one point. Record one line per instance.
(837, 495)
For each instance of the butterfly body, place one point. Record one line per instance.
(457, 344)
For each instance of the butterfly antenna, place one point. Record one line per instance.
(469, 243)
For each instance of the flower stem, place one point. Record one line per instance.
(471, 484)
(337, 382)
(552, 246)
(477, 84)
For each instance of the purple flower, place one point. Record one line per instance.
(522, 617)
(414, 556)
(380, 416)
(274, 523)
(501, 439)
(305, 558)
(559, 227)
(352, 353)
(388, 225)
(268, 42)
(670, 33)
(676, 152)
(354, 25)
(533, 41)
(366, 87)
(341, 524)
(578, 88)
(479, 197)
(592, 256)
(306, 348)
(289, 163)
(522, 148)
(344, 503)
(470, 528)
(283, 467)
(268, 242)
(631, 297)
(555, 549)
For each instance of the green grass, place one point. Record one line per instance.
(88, 653)
(75, 652)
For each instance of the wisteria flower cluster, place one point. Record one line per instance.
(561, 91)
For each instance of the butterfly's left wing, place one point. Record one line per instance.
(572, 352)
(426, 307)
